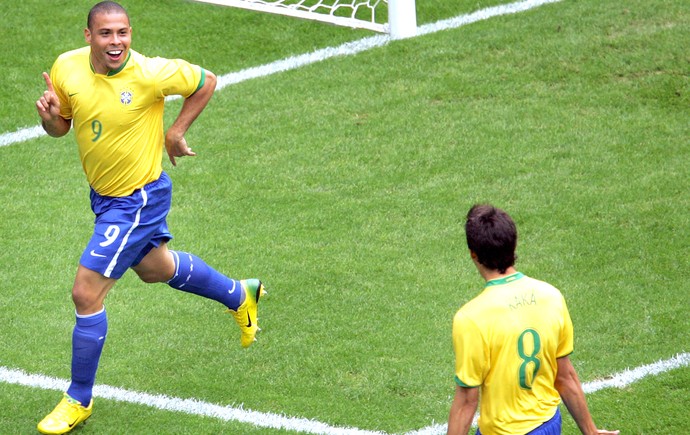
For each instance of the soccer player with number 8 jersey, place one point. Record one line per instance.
(114, 98)
(512, 342)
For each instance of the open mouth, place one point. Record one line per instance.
(114, 55)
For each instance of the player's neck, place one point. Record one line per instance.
(491, 274)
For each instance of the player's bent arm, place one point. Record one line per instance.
(56, 128)
(175, 143)
(192, 107)
(462, 410)
(48, 107)
(569, 387)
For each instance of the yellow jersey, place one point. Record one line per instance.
(118, 117)
(506, 341)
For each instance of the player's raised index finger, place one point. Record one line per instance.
(49, 83)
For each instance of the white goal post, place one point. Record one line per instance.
(364, 14)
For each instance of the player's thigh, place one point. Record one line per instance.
(127, 228)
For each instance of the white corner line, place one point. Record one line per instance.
(346, 49)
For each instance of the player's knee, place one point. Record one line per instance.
(84, 299)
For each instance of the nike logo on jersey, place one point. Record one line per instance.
(73, 94)
(95, 254)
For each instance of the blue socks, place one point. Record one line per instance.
(87, 343)
(193, 275)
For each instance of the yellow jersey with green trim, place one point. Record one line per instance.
(506, 341)
(118, 117)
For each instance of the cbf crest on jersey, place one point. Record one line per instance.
(126, 97)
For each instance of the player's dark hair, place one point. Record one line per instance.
(104, 8)
(492, 236)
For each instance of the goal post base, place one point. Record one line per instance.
(402, 18)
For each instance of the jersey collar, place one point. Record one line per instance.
(112, 72)
(505, 279)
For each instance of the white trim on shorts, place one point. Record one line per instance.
(113, 262)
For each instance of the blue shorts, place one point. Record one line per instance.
(549, 427)
(128, 227)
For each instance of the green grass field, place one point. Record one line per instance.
(344, 185)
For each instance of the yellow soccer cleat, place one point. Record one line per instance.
(246, 314)
(66, 415)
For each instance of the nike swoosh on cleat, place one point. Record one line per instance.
(249, 321)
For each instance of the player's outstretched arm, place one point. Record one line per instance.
(175, 143)
(570, 389)
(48, 107)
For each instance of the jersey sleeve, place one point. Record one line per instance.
(471, 353)
(565, 341)
(176, 77)
(56, 77)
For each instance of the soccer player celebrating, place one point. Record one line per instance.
(513, 343)
(114, 99)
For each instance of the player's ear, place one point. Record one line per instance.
(87, 35)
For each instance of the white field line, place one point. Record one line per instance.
(303, 425)
(188, 406)
(349, 48)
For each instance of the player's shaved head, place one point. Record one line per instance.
(104, 8)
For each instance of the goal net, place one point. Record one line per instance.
(395, 17)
